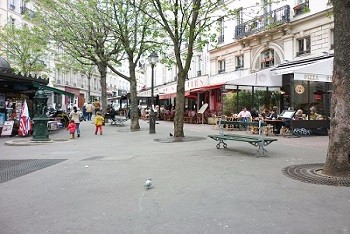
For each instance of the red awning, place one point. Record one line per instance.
(173, 95)
(206, 88)
(167, 96)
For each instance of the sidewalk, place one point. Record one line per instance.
(196, 187)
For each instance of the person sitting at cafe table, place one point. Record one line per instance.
(245, 116)
(254, 113)
(299, 115)
(313, 114)
(273, 114)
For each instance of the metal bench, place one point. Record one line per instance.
(118, 120)
(259, 141)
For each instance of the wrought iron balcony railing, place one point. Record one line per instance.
(263, 22)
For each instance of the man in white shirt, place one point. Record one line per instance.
(245, 114)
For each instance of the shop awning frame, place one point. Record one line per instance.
(319, 69)
(37, 85)
(262, 78)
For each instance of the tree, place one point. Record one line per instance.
(136, 35)
(338, 155)
(79, 26)
(185, 22)
(25, 48)
(66, 63)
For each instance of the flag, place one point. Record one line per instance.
(24, 122)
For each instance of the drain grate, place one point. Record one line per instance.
(311, 173)
(94, 158)
(11, 169)
(179, 139)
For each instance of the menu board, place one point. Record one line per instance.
(7, 128)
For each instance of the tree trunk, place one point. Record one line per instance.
(134, 110)
(89, 88)
(338, 156)
(102, 68)
(180, 105)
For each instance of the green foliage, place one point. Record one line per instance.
(25, 48)
(262, 99)
(230, 102)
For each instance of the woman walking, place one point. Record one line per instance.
(75, 115)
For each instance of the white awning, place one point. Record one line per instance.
(261, 78)
(319, 70)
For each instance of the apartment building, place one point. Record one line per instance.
(251, 45)
(62, 82)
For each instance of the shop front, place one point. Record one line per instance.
(14, 90)
(307, 86)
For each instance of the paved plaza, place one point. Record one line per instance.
(95, 184)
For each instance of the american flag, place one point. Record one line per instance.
(24, 123)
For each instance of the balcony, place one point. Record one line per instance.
(263, 22)
(301, 8)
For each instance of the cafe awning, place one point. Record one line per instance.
(37, 85)
(310, 70)
(206, 88)
(261, 78)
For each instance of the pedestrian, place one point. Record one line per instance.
(72, 127)
(75, 115)
(97, 106)
(98, 123)
(84, 112)
(89, 109)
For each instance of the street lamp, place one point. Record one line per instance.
(153, 59)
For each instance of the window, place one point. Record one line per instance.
(331, 39)
(199, 65)
(267, 59)
(221, 64)
(12, 21)
(220, 23)
(239, 16)
(239, 62)
(303, 45)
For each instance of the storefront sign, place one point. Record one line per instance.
(313, 77)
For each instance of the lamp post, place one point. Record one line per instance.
(153, 59)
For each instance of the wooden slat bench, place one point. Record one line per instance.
(259, 141)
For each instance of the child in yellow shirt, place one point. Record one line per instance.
(98, 122)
